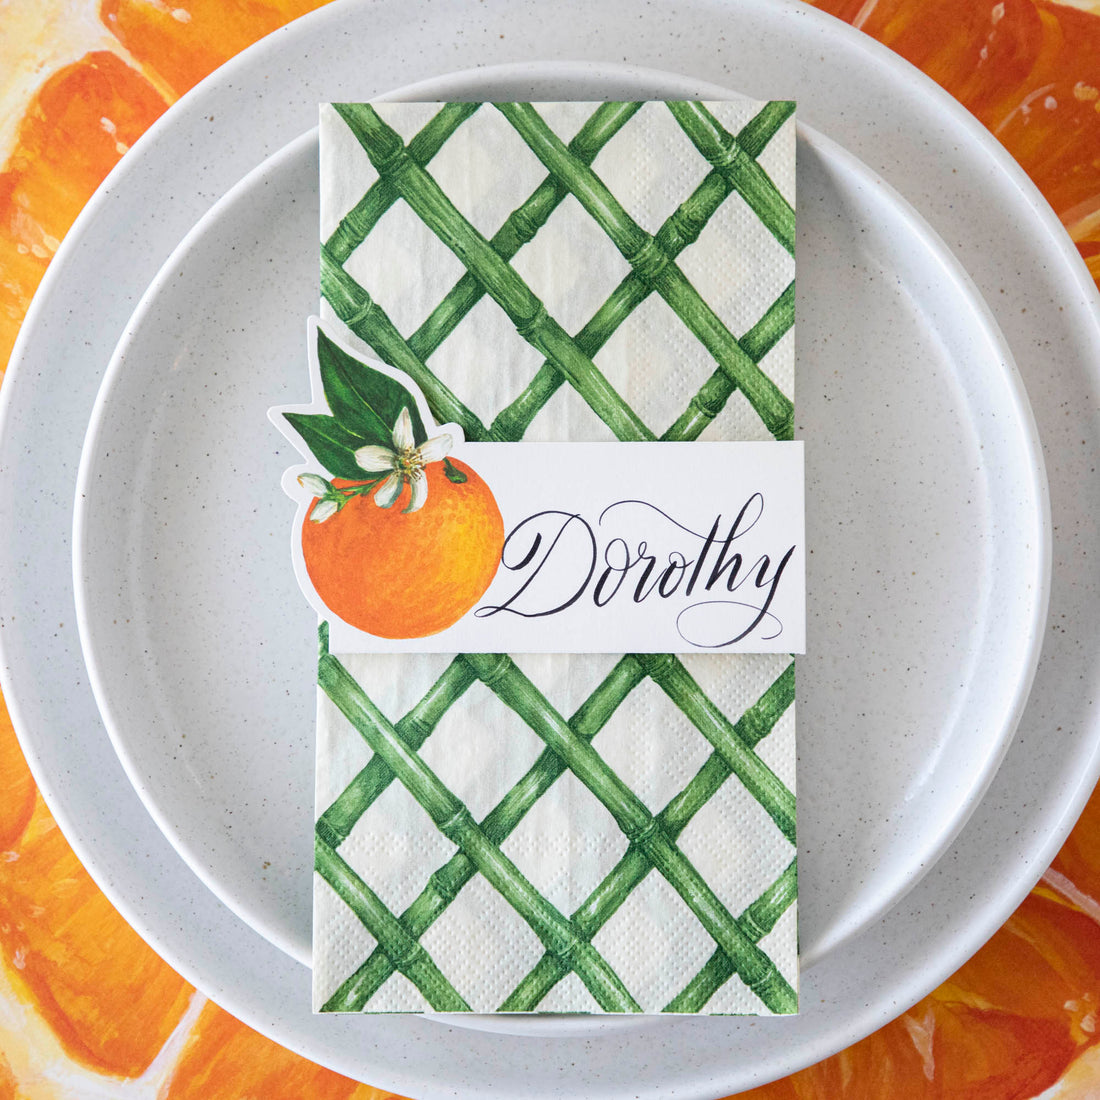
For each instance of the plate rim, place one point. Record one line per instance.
(202, 859)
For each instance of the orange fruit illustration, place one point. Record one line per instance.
(398, 574)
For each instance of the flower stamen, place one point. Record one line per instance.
(404, 463)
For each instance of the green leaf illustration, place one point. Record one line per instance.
(364, 401)
(332, 445)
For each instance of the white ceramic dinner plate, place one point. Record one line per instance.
(877, 108)
(200, 647)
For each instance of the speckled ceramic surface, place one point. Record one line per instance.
(876, 107)
(906, 375)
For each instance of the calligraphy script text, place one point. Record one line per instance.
(637, 552)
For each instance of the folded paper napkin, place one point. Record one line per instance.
(471, 855)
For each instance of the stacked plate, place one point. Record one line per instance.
(165, 700)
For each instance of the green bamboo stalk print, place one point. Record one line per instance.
(356, 225)
(519, 227)
(355, 307)
(766, 787)
(334, 825)
(757, 920)
(645, 255)
(445, 883)
(502, 676)
(391, 160)
(759, 130)
(737, 164)
(408, 956)
(455, 822)
(755, 724)
(366, 318)
(712, 396)
(680, 229)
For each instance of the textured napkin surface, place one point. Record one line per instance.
(538, 900)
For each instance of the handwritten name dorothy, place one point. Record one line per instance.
(639, 553)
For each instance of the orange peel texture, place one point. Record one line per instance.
(226, 1060)
(16, 785)
(179, 43)
(107, 997)
(407, 575)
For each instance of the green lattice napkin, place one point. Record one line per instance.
(562, 833)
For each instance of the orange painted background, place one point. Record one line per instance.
(86, 1009)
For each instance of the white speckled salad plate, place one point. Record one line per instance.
(877, 934)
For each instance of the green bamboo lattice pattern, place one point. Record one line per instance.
(404, 176)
